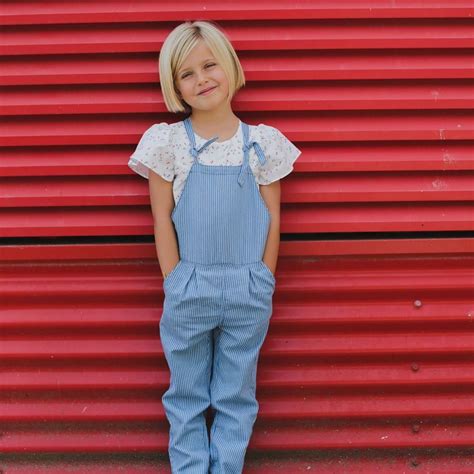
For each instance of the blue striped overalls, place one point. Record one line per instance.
(216, 312)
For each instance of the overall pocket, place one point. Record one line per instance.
(171, 275)
(268, 271)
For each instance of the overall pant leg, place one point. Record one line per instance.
(244, 325)
(186, 332)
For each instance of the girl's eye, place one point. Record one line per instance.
(187, 73)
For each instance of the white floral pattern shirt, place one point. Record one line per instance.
(164, 148)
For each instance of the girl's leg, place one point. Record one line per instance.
(189, 357)
(190, 313)
(233, 387)
(248, 293)
(244, 326)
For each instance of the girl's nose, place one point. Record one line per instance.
(201, 76)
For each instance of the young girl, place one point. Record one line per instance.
(217, 247)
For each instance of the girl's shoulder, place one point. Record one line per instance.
(158, 134)
(269, 136)
(165, 134)
(280, 153)
(262, 128)
(163, 131)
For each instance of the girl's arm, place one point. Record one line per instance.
(271, 195)
(162, 204)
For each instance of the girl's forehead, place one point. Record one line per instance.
(199, 54)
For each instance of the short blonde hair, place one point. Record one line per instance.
(176, 48)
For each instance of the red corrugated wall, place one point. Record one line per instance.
(368, 364)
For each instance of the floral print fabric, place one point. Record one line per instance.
(164, 149)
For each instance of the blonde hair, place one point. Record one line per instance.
(176, 48)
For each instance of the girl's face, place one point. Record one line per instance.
(201, 71)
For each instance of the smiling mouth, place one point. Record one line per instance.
(207, 90)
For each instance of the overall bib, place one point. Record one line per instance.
(216, 313)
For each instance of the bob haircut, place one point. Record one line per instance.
(176, 48)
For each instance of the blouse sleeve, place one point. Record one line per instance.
(154, 152)
(280, 154)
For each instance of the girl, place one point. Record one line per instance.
(217, 247)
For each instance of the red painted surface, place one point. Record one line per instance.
(369, 362)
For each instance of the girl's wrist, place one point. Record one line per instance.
(165, 274)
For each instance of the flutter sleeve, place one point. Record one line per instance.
(154, 152)
(280, 154)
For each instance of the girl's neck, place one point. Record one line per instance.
(208, 128)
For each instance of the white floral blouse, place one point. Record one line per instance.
(164, 148)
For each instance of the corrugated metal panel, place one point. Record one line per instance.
(369, 358)
(370, 355)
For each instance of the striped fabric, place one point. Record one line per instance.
(216, 313)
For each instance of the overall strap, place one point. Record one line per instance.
(193, 150)
(246, 149)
